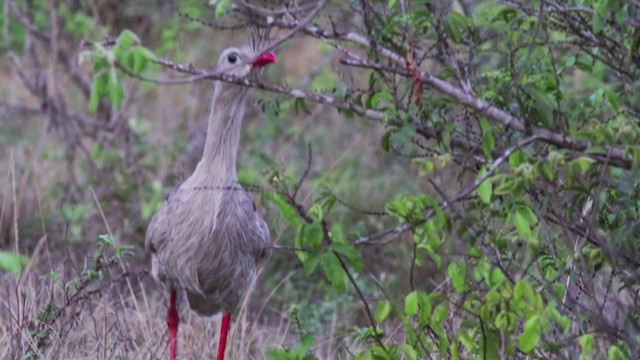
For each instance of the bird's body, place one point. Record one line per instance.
(224, 241)
(208, 238)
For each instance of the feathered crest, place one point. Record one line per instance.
(258, 38)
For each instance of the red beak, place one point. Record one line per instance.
(265, 59)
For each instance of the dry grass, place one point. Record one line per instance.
(105, 322)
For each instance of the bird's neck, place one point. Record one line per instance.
(218, 163)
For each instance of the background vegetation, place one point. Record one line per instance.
(442, 179)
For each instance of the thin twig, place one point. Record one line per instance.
(305, 174)
(362, 211)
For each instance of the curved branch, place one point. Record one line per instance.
(615, 156)
(201, 74)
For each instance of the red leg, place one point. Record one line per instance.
(172, 322)
(224, 330)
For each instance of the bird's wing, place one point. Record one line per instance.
(171, 241)
(260, 235)
(156, 232)
(266, 245)
(156, 240)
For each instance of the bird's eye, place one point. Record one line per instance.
(232, 58)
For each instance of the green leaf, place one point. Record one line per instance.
(571, 60)
(306, 343)
(334, 272)
(488, 144)
(497, 277)
(440, 314)
(298, 242)
(379, 97)
(392, 3)
(584, 66)
(121, 55)
(522, 225)
(596, 97)
(580, 165)
(586, 344)
(437, 259)
(409, 351)
(455, 352)
(139, 60)
(127, 39)
(300, 352)
(98, 89)
(599, 16)
(424, 303)
(467, 340)
(597, 24)
(107, 239)
(523, 290)
(316, 212)
(529, 215)
(505, 187)
(613, 99)
(443, 344)
(385, 141)
(350, 253)
(277, 354)
(485, 189)
(516, 159)
(383, 310)
(563, 321)
(311, 263)
(457, 272)
(338, 234)
(542, 104)
(528, 340)
(411, 303)
(222, 7)
(548, 172)
(490, 346)
(12, 262)
(286, 210)
(615, 353)
(300, 106)
(502, 320)
(116, 94)
(312, 234)
(455, 24)
(148, 54)
(525, 299)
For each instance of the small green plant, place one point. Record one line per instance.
(110, 62)
(12, 262)
(302, 350)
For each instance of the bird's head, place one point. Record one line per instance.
(243, 61)
(248, 58)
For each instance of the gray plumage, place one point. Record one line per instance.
(208, 237)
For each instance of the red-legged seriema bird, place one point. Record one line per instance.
(208, 239)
